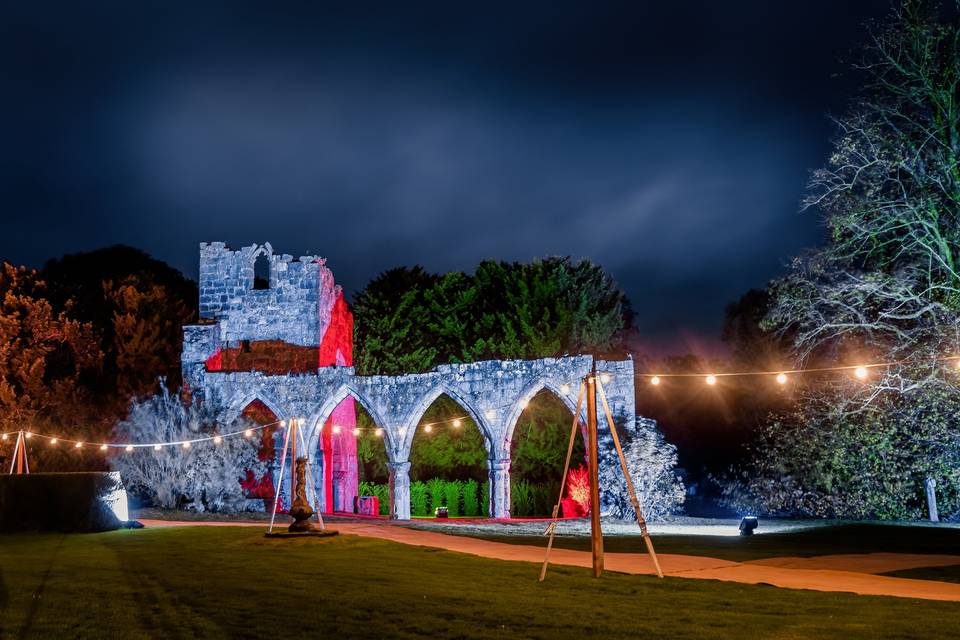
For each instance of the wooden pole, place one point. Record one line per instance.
(630, 488)
(551, 530)
(593, 464)
(293, 459)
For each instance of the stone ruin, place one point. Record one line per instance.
(285, 348)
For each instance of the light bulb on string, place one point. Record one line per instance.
(53, 441)
(186, 445)
(336, 429)
(655, 380)
(711, 379)
(861, 372)
(156, 447)
(217, 439)
(457, 422)
(428, 428)
(283, 423)
(3, 437)
(378, 432)
(103, 447)
(564, 389)
(78, 445)
(248, 433)
(128, 448)
(605, 378)
(28, 435)
(524, 403)
(781, 378)
(356, 431)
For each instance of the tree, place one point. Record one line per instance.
(44, 356)
(203, 477)
(651, 462)
(408, 320)
(885, 288)
(137, 306)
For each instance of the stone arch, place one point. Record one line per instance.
(316, 420)
(409, 427)
(540, 384)
(240, 403)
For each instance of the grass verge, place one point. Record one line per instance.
(230, 582)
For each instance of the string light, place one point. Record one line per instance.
(655, 380)
(565, 389)
(283, 423)
(861, 372)
(156, 447)
(78, 445)
(711, 379)
(3, 437)
(356, 431)
(53, 441)
(605, 378)
(524, 403)
(186, 445)
(103, 447)
(128, 448)
(781, 378)
(28, 435)
(378, 432)
(336, 428)
(428, 428)
(457, 422)
(217, 439)
(248, 433)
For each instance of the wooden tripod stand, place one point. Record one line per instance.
(592, 387)
(19, 460)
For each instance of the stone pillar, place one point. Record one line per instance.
(399, 490)
(499, 483)
(931, 486)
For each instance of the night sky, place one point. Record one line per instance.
(670, 145)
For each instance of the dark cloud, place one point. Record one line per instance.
(670, 145)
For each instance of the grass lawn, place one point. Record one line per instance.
(852, 538)
(223, 582)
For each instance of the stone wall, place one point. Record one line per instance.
(250, 346)
(493, 393)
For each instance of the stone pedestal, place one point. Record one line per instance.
(399, 490)
(499, 476)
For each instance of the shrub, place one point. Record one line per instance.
(451, 493)
(651, 461)
(435, 493)
(418, 498)
(578, 492)
(205, 477)
(521, 498)
(471, 502)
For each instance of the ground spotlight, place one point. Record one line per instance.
(748, 524)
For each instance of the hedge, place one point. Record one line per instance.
(72, 502)
(467, 498)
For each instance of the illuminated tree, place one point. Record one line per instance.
(885, 288)
(204, 477)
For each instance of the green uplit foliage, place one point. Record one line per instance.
(452, 492)
(409, 320)
(471, 498)
(418, 498)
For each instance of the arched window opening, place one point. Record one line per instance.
(538, 450)
(261, 272)
(448, 463)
